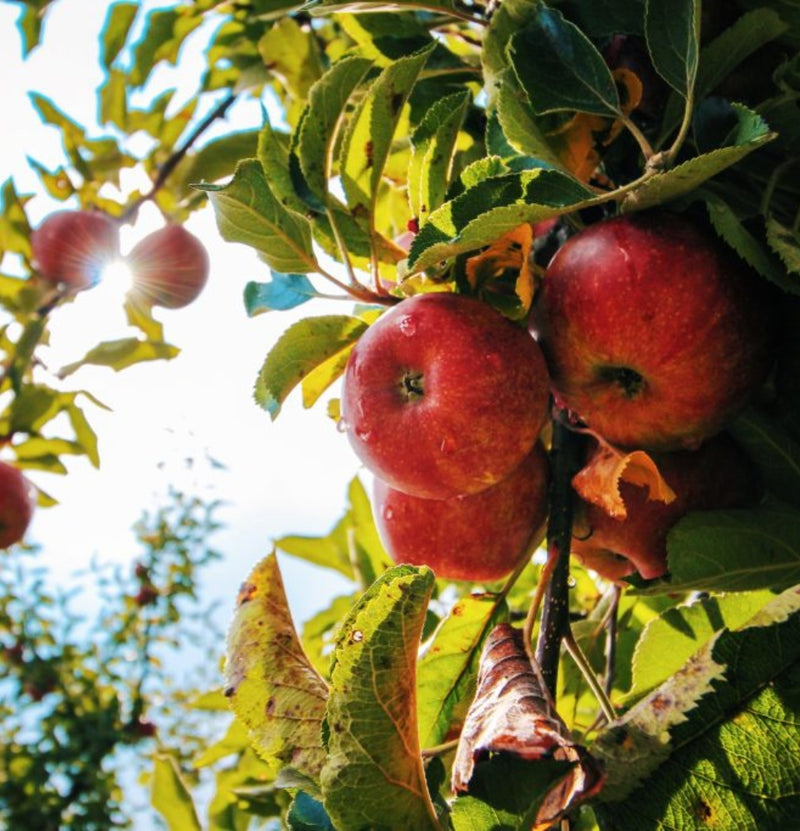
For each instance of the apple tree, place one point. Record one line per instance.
(615, 184)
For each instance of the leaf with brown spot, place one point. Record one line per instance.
(598, 481)
(270, 682)
(512, 716)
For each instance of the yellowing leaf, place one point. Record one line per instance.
(598, 482)
(270, 682)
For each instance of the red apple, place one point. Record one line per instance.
(480, 537)
(169, 267)
(16, 505)
(655, 333)
(444, 396)
(71, 248)
(717, 475)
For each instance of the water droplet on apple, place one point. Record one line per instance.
(494, 360)
(407, 326)
(341, 425)
(363, 435)
(448, 445)
(388, 514)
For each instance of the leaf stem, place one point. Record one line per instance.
(641, 139)
(667, 158)
(582, 662)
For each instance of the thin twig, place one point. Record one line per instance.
(565, 457)
(175, 159)
(582, 662)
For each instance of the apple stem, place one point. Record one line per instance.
(565, 457)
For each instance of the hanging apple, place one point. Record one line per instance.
(169, 267)
(655, 333)
(480, 537)
(717, 475)
(16, 505)
(72, 247)
(444, 396)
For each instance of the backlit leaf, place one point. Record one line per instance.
(449, 665)
(120, 354)
(373, 775)
(272, 686)
(247, 211)
(291, 53)
(300, 349)
(118, 22)
(170, 796)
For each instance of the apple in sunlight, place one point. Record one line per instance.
(655, 333)
(169, 267)
(72, 247)
(717, 475)
(16, 505)
(479, 537)
(444, 396)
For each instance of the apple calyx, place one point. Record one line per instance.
(412, 385)
(630, 382)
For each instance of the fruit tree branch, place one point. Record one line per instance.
(565, 455)
(175, 159)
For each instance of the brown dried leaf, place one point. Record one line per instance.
(598, 481)
(512, 713)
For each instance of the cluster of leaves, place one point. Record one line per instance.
(490, 132)
(88, 690)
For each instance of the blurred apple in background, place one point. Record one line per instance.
(16, 505)
(169, 268)
(71, 248)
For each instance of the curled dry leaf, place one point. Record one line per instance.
(512, 713)
(598, 481)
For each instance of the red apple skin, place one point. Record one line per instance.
(71, 248)
(169, 267)
(718, 475)
(443, 396)
(655, 334)
(479, 537)
(16, 505)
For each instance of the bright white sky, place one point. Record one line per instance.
(284, 477)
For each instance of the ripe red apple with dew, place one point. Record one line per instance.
(169, 267)
(16, 505)
(480, 537)
(717, 475)
(72, 247)
(443, 396)
(655, 333)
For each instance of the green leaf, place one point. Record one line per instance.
(785, 242)
(164, 33)
(353, 547)
(282, 292)
(15, 230)
(118, 22)
(217, 159)
(560, 68)
(113, 99)
(247, 211)
(735, 234)
(291, 53)
(750, 134)
(368, 137)
(447, 669)
(672, 30)
(774, 451)
(120, 354)
(671, 639)
(319, 126)
(306, 814)
(723, 54)
(491, 208)
(433, 144)
(300, 349)
(741, 550)
(714, 741)
(170, 796)
(272, 686)
(373, 775)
